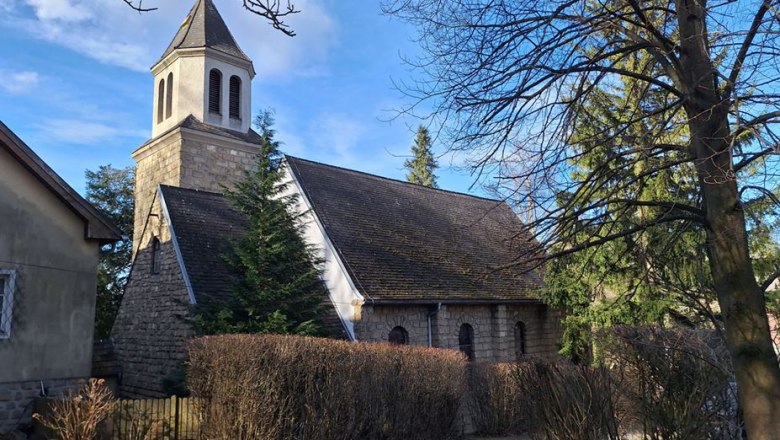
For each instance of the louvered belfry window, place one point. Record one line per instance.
(215, 90)
(160, 102)
(169, 97)
(235, 97)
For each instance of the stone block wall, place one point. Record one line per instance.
(153, 323)
(493, 325)
(208, 166)
(16, 399)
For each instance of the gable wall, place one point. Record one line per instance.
(494, 338)
(56, 277)
(152, 327)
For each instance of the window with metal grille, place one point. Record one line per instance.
(519, 339)
(215, 91)
(7, 284)
(466, 341)
(398, 335)
(160, 96)
(235, 97)
(156, 260)
(169, 97)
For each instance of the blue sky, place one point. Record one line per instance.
(76, 84)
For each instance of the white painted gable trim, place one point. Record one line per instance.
(176, 248)
(341, 288)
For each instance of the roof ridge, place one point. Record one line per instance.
(397, 181)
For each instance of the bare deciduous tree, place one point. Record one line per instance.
(510, 82)
(272, 10)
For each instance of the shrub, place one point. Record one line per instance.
(495, 401)
(677, 382)
(77, 416)
(571, 402)
(291, 387)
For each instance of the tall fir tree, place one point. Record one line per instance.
(279, 288)
(421, 167)
(111, 191)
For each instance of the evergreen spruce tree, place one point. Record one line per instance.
(422, 165)
(278, 288)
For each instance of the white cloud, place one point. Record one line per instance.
(18, 82)
(62, 10)
(112, 33)
(77, 131)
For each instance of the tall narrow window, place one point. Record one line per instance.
(215, 91)
(519, 339)
(398, 335)
(466, 341)
(235, 97)
(169, 97)
(160, 102)
(156, 260)
(7, 281)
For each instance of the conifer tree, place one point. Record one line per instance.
(278, 288)
(422, 165)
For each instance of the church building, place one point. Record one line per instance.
(403, 263)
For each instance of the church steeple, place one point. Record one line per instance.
(203, 73)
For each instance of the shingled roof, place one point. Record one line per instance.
(406, 242)
(204, 27)
(205, 225)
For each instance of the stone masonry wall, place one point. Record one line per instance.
(16, 399)
(157, 163)
(211, 167)
(494, 335)
(152, 327)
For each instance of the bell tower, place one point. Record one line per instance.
(203, 73)
(201, 120)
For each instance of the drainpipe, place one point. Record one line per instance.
(431, 315)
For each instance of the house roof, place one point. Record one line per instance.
(401, 241)
(204, 27)
(96, 225)
(205, 225)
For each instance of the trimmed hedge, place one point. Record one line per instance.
(291, 387)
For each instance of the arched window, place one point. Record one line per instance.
(169, 97)
(215, 90)
(160, 96)
(235, 97)
(398, 335)
(466, 341)
(519, 339)
(156, 260)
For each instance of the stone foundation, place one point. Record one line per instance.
(16, 399)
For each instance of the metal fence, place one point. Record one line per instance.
(175, 418)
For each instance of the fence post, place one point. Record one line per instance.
(177, 408)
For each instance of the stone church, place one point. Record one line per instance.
(402, 263)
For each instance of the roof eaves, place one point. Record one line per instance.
(97, 226)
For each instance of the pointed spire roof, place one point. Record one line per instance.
(204, 27)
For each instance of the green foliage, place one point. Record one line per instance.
(278, 288)
(421, 167)
(660, 275)
(111, 191)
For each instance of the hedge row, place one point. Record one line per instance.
(283, 387)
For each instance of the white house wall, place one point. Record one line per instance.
(343, 294)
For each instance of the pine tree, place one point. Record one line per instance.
(279, 288)
(422, 165)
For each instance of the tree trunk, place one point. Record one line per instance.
(740, 298)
